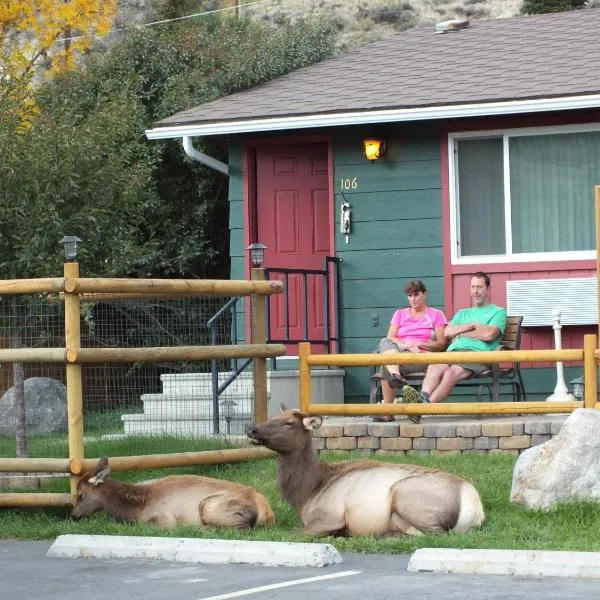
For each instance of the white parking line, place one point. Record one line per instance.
(195, 580)
(274, 586)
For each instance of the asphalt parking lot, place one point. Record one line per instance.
(27, 573)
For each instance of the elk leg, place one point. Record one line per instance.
(162, 521)
(325, 525)
(398, 525)
(220, 510)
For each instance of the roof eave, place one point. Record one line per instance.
(376, 116)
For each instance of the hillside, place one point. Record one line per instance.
(358, 21)
(363, 21)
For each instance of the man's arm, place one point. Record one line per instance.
(493, 330)
(452, 331)
(485, 333)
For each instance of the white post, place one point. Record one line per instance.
(561, 392)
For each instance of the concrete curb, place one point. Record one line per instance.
(526, 563)
(192, 550)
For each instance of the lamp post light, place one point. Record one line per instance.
(70, 245)
(228, 407)
(257, 254)
(578, 387)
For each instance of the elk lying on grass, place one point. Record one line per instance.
(173, 500)
(363, 497)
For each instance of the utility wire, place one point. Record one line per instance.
(200, 14)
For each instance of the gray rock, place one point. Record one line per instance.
(45, 407)
(563, 469)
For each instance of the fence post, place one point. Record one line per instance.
(597, 205)
(73, 372)
(259, 337)
(590, 378)
(304, 377)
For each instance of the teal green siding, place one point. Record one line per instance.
(236, 225)
(396, 236)
(396, 233)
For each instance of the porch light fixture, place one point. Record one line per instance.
(257, 253)
(374, 149)
(70, 244)
(578, 387)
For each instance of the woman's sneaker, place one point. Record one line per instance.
(412, 396)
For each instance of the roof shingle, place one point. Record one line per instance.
(534, 57)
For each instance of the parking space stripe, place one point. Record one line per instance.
(274, 586)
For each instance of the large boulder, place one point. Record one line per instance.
(45, 407)
(565, 468)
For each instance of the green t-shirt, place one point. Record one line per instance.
(486, 315)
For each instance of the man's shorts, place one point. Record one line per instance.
(475, 368)
(385, 345)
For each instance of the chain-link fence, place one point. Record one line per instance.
(129, 408)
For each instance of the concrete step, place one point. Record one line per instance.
(161, 408)
(193, 383)
(142, 425)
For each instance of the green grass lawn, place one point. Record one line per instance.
(570, 527)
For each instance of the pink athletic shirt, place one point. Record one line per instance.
(421, 329)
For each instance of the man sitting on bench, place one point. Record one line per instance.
(474, 329)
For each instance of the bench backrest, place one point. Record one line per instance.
(511, 340)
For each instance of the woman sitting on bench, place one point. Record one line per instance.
(418, 328)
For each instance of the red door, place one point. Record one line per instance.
(293, 221)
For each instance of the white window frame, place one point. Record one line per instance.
(508, 257)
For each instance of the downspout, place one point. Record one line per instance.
(213, 163)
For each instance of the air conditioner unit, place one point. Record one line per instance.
(535, 299)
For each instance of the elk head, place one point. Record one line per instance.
(90, 495)
(286, 433)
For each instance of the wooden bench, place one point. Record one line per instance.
(489, 381)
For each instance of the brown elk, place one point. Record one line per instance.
(363, 497)
(173, 500)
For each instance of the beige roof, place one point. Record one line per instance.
(529, 59)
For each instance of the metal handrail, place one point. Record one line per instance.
(330, 276)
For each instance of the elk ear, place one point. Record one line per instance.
(101, 472)
(312, 422)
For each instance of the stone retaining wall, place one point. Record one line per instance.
(509, 436)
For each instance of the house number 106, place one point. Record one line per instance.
(349, 184)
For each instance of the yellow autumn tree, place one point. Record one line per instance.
(43, 37)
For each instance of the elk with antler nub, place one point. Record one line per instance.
(363, 497)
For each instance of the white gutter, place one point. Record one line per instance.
(377, 116)
(192, 152)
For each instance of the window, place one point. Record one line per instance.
(524, 195)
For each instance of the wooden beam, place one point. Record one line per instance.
(447, 358)
(204, 287)
(175, 353)
(304, 376)
(259, 337)
(35, 499)
(180, 459)
(590, 371)
(37, 355)
(73, 373)
(34, 465)
(445, 408)
(31, 286)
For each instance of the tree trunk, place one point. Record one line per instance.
(19, 387)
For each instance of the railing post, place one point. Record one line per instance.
(304, 379)
(597, 205)
(73, 372)
(561, 392)
(590, 378)
(260, 364)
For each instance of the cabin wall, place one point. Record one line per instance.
(397, 235)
